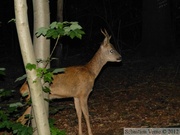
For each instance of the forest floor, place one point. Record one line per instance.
(139, 93)
(133, 94)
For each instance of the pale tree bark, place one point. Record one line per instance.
(29, 57)
(41, 44)
(41, 19)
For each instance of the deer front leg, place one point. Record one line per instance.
(84, 107)
(79, 114)
(22, 119)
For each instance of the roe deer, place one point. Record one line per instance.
(78, 81)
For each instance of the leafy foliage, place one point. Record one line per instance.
(55, 31)
(21, 78)
(54, 130)
(59, 29)
(44, 73)
(7, 124)
(16, 128)
(30, 66)
(5, 93)
(2, 71)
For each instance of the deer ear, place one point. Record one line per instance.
(107, 37)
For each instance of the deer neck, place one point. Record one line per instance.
(96, 63)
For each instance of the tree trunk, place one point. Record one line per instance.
(29, 57)
(41, 44)
(59, 10)
(157, 28)
(41, 19)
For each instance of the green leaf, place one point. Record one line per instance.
(53, 25)
(79, 36)
(48, 77)
(12, 20)
(21, 78)
(52, 33)
(75, 25)
(30, 66)
(6, 93)
(58, 70)
(59, 29)
(54, 130)
(46, 89)
(53, 58)
(17, 104)
(3, 117)
(13, 127)
(59, 25)
(2, 71)
(66, 23)
(18, 128)
(12, 109)
(72, 34)
(79, 33)
(41, 31)
(67, 30)
(61, 32)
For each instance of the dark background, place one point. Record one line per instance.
(148, 28)
(141, 91)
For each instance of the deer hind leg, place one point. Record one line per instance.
(84, 107)
(79, 114)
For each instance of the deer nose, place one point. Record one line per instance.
(119, 59)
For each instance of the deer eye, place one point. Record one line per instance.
(111, 51)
